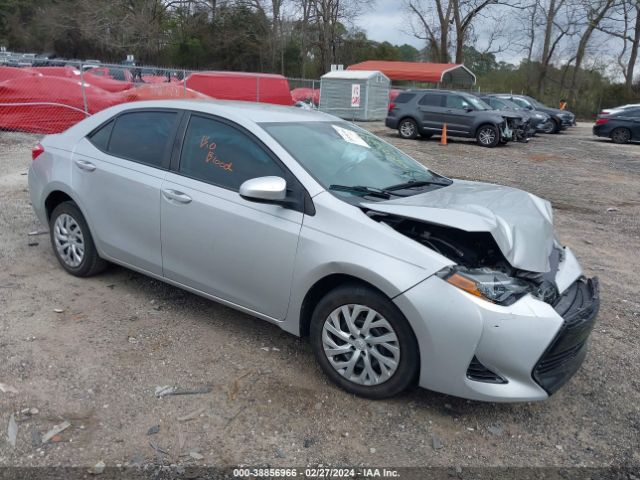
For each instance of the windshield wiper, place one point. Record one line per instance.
(375, 192)
(414, 184)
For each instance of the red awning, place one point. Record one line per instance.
(420, 71)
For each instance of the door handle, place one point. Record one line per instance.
(176, 196)
(84, 165)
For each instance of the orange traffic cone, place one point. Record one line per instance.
(443, 136)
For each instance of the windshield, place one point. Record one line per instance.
(510, 104)
(522, 102)
(339, 154)
(477, 103)
(501, 104)
(536, 103)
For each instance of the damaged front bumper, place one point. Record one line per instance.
(515, 129)
(578, 306)
(484, 351)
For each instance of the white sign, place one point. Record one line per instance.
(350, 136)
(355, 95)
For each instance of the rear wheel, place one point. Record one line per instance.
(363, 342)
(72, 241)
(488, 136)
(408, 129)
(621, 135)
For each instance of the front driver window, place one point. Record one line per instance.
(455, 101)
(220, 154)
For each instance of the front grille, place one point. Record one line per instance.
(578, 305)
(478, 372)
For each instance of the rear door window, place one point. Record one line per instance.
(143, 137)
(431, 99)
(218, 153)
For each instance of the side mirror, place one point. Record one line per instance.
(468, 108)
(264, 189)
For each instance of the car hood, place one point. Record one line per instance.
(520, 223)
(554, 111)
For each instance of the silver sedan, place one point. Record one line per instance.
(398, 275)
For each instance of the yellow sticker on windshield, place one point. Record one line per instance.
(350, 136)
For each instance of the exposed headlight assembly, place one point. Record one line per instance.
(486, 283)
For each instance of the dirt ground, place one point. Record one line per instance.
(92, 351)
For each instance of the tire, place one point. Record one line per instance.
(556, 126)
(488, 136)
(408, 128)
(80, 257)
(549, 126)
(620, 135)
(390, 322)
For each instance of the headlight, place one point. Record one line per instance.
(491, 285)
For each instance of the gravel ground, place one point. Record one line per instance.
(93, 351)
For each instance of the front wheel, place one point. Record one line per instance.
(72, 241)
(549, 126)
(363, 343)
(621, 135)
(488, 136)
(408, 129)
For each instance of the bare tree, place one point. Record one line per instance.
(434, 24)
(436, 21)
(595, 11)
(328, 16)
(624, 24)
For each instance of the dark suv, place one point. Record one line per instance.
(424, 112)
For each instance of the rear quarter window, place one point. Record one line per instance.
(100, 137)
(431, 99)
(404, 97)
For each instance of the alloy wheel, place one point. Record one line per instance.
(360, 344)
(69, 240)
(487, 136)
(407, 129)
(621, 135)
(548, 127)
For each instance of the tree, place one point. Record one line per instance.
(436, 20)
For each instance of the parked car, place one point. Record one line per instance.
(621, 127)
(424, 113)
(621, 108)
(398, 275)
(538, 121)
(522, 128)
(560, 119)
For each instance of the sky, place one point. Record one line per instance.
(387, 21)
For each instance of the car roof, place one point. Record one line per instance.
(254, 111)
(431, 90)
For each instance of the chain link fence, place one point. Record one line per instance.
(52, 95)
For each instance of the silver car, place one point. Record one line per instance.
(398, 275)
